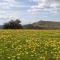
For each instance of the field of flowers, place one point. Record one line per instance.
(29, 45)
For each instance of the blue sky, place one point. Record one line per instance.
(29, 11)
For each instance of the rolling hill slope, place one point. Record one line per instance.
(44, 25)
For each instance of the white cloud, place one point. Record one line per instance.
(7, 4)
(10, 1)
(6, 10)
(45, 5)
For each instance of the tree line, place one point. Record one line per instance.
(13, 24)
(16, 24)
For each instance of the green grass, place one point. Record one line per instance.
(29, 44)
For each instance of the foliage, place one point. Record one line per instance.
(13, 24)
(29, 44)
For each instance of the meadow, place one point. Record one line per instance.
(29, 44)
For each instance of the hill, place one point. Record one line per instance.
(43, 25)
(1, 26)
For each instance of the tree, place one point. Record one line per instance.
(13, 24)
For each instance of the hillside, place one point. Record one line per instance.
(44, 25)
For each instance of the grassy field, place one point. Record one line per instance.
(29, 45)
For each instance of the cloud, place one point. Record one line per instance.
(10, 1)
(7, 4)
(45, 5)
(6, 9)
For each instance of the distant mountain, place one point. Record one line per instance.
(43, 25)
(1, 26)
(28, 26)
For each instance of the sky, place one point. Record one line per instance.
(29, 11)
